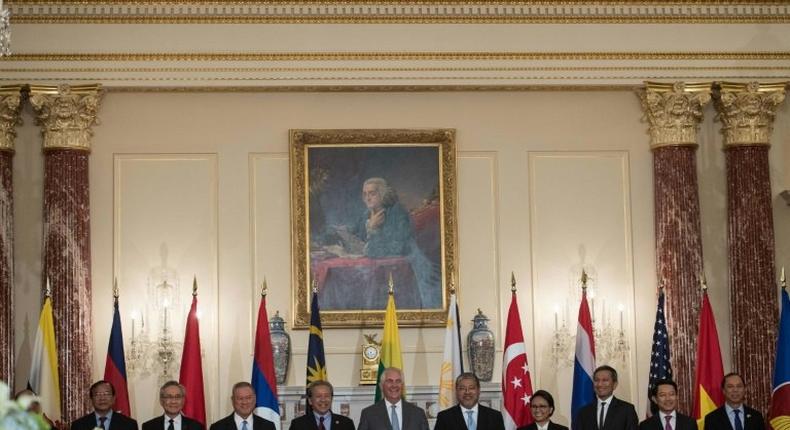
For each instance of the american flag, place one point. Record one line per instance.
(660, 368)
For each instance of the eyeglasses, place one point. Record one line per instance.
(102, 395)
(172, 397)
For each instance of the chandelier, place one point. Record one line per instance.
(5, 30)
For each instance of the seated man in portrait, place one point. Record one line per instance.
(381, 240)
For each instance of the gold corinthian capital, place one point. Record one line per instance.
(747, 111)
(66, 114)
(10, 102)
(674, 111)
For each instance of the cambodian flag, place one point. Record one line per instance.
(263, 380)
(584, 362)
(115, 366)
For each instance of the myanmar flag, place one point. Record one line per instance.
(390, 345)
(710, 371)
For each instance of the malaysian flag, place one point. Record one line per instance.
(660, 368)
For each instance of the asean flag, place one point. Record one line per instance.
(779, 415)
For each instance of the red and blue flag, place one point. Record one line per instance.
(779, 414)
(584, 362)
(115, 366)
(263, 378)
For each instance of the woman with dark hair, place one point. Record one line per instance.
(542, 405)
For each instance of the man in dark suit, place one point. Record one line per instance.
(172, 396)
(468, 414)
(103, 398)
(392, 413)
(242, 418)
(665, 395)
(734, 414)
(319, 395)
(607, 412)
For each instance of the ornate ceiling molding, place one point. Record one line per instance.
(395, 12)
(385, 69)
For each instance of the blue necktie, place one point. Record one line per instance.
(470, 420)
(102, 422)
(394, 418)
(738, 425)
(244, 425)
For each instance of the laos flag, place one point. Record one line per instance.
(263, 380)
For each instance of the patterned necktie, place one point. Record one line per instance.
(738, 425)
(601, 416)
(321, 423)
(171, 426)
(470, 420)
(244, 425)
(394, 418)
(668, 426)
(102, 421)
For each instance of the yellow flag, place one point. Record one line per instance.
(390, 345)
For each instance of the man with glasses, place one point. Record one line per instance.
(103, 399)
(172, 396)
(242, 418)
(468, 414)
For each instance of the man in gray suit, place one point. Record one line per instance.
(392, 413)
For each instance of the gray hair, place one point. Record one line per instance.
(172, 383)
(388, 194)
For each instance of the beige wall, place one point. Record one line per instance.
(548, 181)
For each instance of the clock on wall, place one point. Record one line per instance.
(371, 352)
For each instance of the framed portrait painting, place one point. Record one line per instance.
(370, 209)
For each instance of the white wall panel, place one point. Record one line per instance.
(580, 217)
(165, 226)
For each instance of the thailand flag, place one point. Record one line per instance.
(263, 380)
(584, 362)
(115, 366)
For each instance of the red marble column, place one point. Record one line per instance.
(674, 112)
(66, 115)
(10, 100)
(747, 113)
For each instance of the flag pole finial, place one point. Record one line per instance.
(782, 279)
(194, 285)
(452, 283)
(391, 284)
(315, 286)
(703, 282)
(512, 282)
(584, 280)
(115, 293)
(48, 290)
(264, 288)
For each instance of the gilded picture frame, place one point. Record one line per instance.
(367, 206)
